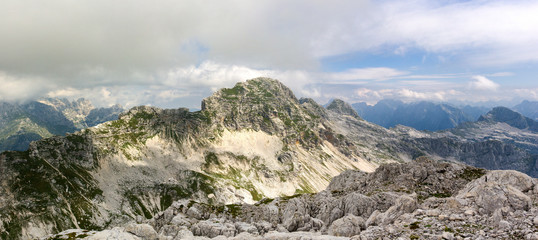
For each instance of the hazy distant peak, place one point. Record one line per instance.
(512, 118)
(528, 108)
(342, 107)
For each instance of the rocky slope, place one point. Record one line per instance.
(419, 200)
(251, 142)
(21, 124)
(485, 144)
(501, 139)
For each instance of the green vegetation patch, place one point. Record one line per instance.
(232, 93)
(210, 159)
(470, 173)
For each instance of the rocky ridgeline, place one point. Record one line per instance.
(265, 104)
(248, 142)
(419, 200)
(253, 142)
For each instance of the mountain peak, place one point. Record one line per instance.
(510, 117)
(254, 91)
(342, 107)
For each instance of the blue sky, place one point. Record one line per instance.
(174, 53)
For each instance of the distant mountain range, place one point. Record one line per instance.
(21, 124)
(428, 115)
(528, 108)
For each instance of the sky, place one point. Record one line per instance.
(174, 53)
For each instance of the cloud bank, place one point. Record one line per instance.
(172, 53)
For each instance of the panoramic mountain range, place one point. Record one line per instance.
(235, 163)
(22, 123)
(423, 115)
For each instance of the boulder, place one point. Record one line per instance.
(213, 227)
(143, 231)
(347, 226)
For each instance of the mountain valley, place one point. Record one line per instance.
(22, 123)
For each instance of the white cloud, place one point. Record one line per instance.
(214, 75)
(175, 52)
(380, 73)
(16, 88)
(480, 32)
(483, 84)
(64, 93)
(182, 86)
(527, 93)
(501, 74)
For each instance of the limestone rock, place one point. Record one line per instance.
(114, 234)
(213, 227)
(347, 226)
(143, 231)
(499, 189)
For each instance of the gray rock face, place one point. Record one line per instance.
(143, 231)
(347, 226)
(503, 199)
(213, 227)
(500, 189)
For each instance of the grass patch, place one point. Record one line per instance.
(414, 225)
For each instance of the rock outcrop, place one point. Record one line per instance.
(479, 205)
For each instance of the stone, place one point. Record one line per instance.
(347, 226)
(114, 234)
(504, 225)
(213, 227)
(469, 212)
(404, 204)
(143, 231)
(448, 236)
(433, 212)
(246, 227)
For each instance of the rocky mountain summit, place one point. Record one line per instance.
(248, 144)
(419, 200)
(22, 123)
(510, 117)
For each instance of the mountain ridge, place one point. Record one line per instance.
(421, 115)
(253, 141)
(22, 123)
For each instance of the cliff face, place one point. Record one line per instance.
(250, 142)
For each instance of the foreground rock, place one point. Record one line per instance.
(420, 200)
